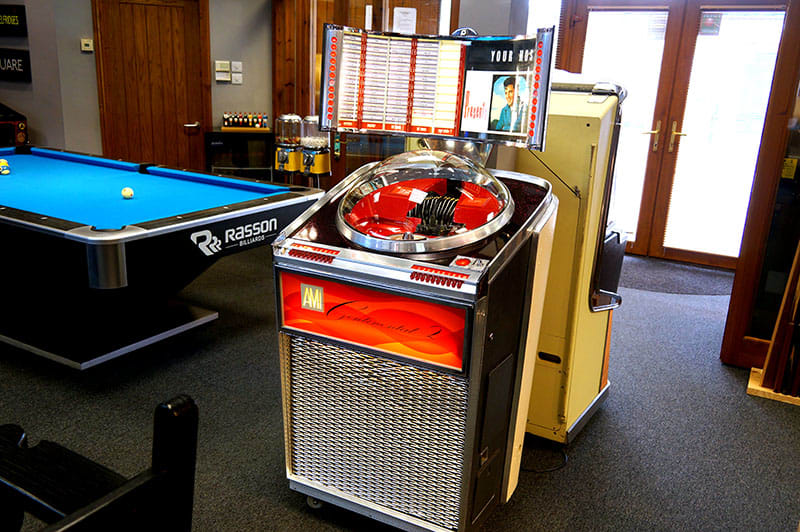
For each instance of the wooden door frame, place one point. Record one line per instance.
(738, 348)
(680, 92)
(576, 15)
(652, 216)
(205, 73)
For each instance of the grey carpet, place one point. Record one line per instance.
(671, 277)
(678, 445)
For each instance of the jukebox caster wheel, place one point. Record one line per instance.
(313, 503)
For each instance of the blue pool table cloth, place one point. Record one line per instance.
(88, 190)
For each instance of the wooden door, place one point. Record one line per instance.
(153, 75)
(680, 25)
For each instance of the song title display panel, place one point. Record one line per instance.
(491, 89)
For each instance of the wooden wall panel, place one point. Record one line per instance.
(293, 62)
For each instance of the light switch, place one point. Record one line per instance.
(236, 66)
(222, 76)
(87, 45)
(236, 78)
(222, 66)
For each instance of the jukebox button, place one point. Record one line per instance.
(462, 262)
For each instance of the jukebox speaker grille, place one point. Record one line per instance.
(389, 433)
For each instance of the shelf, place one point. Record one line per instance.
(754, 388)
(228, 129)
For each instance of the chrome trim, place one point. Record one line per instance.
(328, 197)
(355, 504)
(587, 414)
(431, 245)
(478, 343)
(107, 266)
(87, 235)
(549, 202)
(600, 87)
(383, 276)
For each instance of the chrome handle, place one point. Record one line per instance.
(674, 134)
(196, 124)
(655, 133)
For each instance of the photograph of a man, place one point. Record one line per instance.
(508, 103)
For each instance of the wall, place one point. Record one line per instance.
(61, 101)
(78, 77)
(241, 30)
(40, 100)
(492, 18)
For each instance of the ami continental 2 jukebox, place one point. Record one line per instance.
(409, 297)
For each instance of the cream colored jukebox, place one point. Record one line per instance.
(571, 374)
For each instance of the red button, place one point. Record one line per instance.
(462, 262)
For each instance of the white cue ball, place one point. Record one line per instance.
(127, 192)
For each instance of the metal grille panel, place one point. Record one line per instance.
(386, 432)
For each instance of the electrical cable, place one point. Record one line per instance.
(564, 460)
(575, 190)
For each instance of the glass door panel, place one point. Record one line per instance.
(726, 104)
(626, 47)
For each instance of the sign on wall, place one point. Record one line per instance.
(15, 65)
(12, 21)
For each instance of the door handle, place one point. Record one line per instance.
(655, 133)
(195, 124)
(674, 134)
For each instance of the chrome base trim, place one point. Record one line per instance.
(587, 414)
(360, 506)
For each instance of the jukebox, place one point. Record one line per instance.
(571, 377)
(410, 298)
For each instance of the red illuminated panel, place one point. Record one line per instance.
(315, 248)
(415, 329)
(443, 272)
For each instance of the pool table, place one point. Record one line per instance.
(88, 275)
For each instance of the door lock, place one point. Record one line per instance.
(655, 133)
